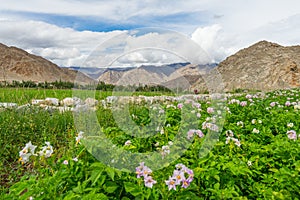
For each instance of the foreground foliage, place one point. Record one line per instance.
(256, 156)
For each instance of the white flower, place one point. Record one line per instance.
(240, 123)
(79, 137)
(253, 121)
(127, 143)
(65, 162)
(296, 107)
(229, 133)
(26, 152)
(75, 159)
(255, 130)
(290, 125)
(228, 140)
(249, 163)
(24, 157)
(165, 150)
(46, 150)
(236, 141)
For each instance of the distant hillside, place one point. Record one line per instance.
(262, 66)
(17, 64)
(145, 74)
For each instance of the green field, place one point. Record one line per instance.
(254, 154)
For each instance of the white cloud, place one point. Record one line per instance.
(64, 46)
(113, 9)
(219, 43)
(227, 27)
(209, 39)
(147, 46)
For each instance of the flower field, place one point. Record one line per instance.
(242, 146)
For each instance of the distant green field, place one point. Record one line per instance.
(25, 95)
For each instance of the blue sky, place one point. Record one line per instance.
(68, 31)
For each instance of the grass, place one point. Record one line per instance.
(265, 166)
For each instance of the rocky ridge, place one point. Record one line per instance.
(19, 65)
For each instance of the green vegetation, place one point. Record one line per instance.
(256, 156)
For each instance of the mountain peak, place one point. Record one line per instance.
(19, 65)
(262, 66)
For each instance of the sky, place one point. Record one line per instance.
(99, 33)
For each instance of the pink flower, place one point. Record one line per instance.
(243, 103)
(178, 175)
(148, 180)
(287, 103)
(181, 167)
(191, 175)
(272, 104)
(190, 134)
(199, 133)
(292, 135)
(139, 170)
(142, 170)
(179, 106)
(197, 105)
(171, 183)
(210, 110)
(185, 183)
(179, 178)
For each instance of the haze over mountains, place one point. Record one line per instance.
(262, 66)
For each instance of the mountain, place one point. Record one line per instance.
(145, 74)
(262, 66)
(17, 64)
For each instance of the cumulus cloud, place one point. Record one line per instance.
(64, 46)
(223, 29)
(209, 39)
(148, 46)
(219, 43)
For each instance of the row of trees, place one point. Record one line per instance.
(69, 85)
(32, 84)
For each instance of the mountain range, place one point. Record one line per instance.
(263, 66)
(19, 65)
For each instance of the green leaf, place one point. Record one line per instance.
(92, 195)
(217, 177)
(110, 172)
(96, 174)
(110, 187)
(132, 188)
(217, 186)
